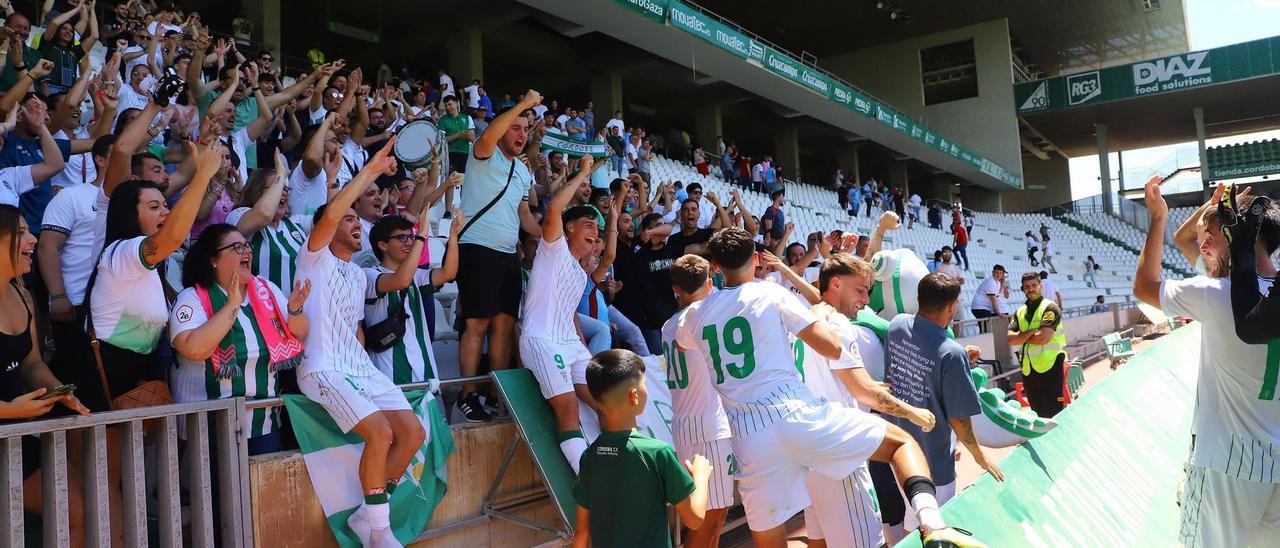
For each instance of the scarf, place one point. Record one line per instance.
(284, 350)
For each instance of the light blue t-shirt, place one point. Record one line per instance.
(499, 227)
(930, 371)
(577, 122)
(600, 179)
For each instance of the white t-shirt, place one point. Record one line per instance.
(871, 348)
(916, 201)
(743, 332)
(1047, 249)
(412, 359)
(307, 194)
(80, 168)
(810, 275)
(561, 119)
(539, 110)
(1050, 289)
(354, 157)
(238, 141)
(190, 382)
(981, 297)
(14, 182)
(1032, 242)
(317, 116)
(950, 269)
(130, 98)
(139, 60)
(818, 371)
(473, 95)
(129, 309)
(1236, 422)
(555, 288)
(696, 414)
(71, 212)
(160, 34)
(615, 122)
(334, 310)
(446, 86)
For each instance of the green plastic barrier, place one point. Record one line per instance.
(537, 425)
(1108, 474)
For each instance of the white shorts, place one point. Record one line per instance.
(720, 454)
(845, 513)
(557, 365)
(349, 398)
(824, 437)
(1219, 510)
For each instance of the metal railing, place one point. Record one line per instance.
(120, 435)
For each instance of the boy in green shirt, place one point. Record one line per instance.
(627, 479)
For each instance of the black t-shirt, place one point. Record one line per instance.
(680, 242)
(654, 268)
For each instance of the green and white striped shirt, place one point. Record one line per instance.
(411, 359)
(195, 381)
(275, 248)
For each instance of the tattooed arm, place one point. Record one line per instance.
(874, 395)
(963, 426)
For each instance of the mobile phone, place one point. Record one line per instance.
(60, 390)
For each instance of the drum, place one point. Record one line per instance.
(417, 144)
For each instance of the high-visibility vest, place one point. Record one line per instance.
(1039, 357)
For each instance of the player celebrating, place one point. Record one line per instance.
(549, 343)
(779, 428)
(698, 422)
(337, 372)
(844, 513)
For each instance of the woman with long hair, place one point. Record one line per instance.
(24, 377)
(233, 331)
(127, 301)
(264, 217)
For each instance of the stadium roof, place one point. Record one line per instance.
(1050, 36)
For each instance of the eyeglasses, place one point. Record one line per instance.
(239, 247)
(403, 238)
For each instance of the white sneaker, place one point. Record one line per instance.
(360, 526)
(383, 538)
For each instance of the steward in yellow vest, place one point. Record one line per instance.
(1038, 330)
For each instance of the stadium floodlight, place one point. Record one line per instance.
(882, 5)
(895, 14)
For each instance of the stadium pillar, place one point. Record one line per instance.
(466, 57)
(708, 125)
(1104, 167)
(898, 177)
(1198, 112)
(606, 95)
(266, 16)
(848, 161)
(786, 151)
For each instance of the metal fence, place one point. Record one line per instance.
(147, 469)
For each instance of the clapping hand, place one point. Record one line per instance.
(301, 290)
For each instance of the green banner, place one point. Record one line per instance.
(570, 147)
(653, 9)
(1108, 474)
(1166, 74)
(713, 31)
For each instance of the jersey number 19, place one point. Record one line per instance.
(737, 342)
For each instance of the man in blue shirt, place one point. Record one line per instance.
(490, 294)
(929, 370)
(576, 127)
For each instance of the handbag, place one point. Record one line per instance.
(145, 394)
(382, 336)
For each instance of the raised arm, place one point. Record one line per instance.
(265, 208)
(177, 226)
(1146, 282)
(51, 32)
(87, 42)
(194, 85)
(888, 221)
(449, 267)
(313, 156)
(552, 227)
(806, 289)
(722, 217)
(119, 165)
(26, 79)
(610, 236)
(53, 160)
(748, 224)
(340, 202)
(488, 141)
(259, 125)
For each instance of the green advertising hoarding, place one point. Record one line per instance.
(653, 9)
(1166, 74)
(785, 66)
(714, 32)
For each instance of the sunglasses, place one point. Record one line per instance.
(240, 248)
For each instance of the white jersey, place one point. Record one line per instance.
(307, 194)
(696, 413)
(411, 359)
(276, 248)
(334, 310)
(555, 289)
(1237, 416)
(194, 381)
(743, 333)
(354, 157)
(818, 371)
(71, 213)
